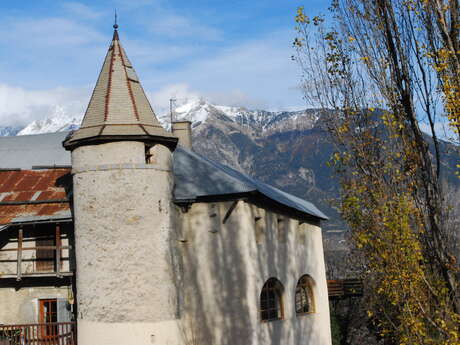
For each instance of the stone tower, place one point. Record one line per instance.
(122, 191)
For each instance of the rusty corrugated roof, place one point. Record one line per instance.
(34, 195)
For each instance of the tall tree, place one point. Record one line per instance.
(440, 20)
(377, 74)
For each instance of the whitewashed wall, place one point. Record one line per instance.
(226, 265)
(22, 306)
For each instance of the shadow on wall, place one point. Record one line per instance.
(277, 257)
(221, 271)
(213, 288)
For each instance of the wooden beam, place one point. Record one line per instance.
(34, 248)
(34, 202)
(58, 250)
(19, 269)
(24, 276)
(229, 212)
(33, 239)
(63, 258)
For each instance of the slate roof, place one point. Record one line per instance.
(118, 108)
(195, 176)
(26, 151)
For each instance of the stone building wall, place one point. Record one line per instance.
(218, 262)
(225, 265)
(22, 306)
(150, 272)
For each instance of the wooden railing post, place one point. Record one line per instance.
(19, 269)
(55, 333)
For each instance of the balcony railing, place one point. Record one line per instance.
(19, 252)
(345, 288)
(57, 333)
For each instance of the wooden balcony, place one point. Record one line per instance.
(344, 288)
(36, 253)
(57, 333)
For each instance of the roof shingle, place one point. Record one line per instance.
(119, 107)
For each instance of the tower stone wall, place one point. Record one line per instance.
(122, 209)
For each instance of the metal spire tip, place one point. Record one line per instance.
(115, 25)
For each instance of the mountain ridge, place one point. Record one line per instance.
(196, 110)
(287, 149)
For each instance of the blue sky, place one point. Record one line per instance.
(229, 52)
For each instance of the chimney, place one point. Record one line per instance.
(183, 130)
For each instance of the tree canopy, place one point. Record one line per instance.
(379, 70)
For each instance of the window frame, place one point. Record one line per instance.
(48, 318)
(304, 288)
(271, 296)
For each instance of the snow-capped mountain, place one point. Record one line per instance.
(198, 111)
(260, 122)
(288, 149)
(281, 148)
(59, 121)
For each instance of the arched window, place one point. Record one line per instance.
(271, 300)
(304, 301)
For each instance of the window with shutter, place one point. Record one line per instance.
(63, 311)
(45, 257)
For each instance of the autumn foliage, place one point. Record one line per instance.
(379, 71)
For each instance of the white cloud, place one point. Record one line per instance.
(44, 52)
(174, 25)
(47, 32)
(47, 52)
(257, 74)
(21, 106)
(237, 98)
(160, 18)
(81, 10)
(180, 92)
(140, 52)
(132, 4)
(183, 93)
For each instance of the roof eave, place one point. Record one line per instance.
(36, 221)
(170, 142)
(257, 198)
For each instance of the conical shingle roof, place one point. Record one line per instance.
(119, 109)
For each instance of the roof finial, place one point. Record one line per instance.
(115, 25)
